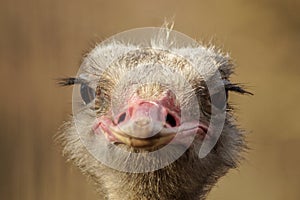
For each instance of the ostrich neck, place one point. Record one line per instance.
(161, 184)
(189, 177)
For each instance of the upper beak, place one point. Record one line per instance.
(144, 120)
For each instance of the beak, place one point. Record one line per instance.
(147, 124)
(143, 120)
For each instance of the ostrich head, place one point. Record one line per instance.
(147, 117)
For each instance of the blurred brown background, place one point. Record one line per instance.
(44, 40)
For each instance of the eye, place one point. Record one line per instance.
(87, 93)
(219, 100)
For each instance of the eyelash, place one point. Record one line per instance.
(236, 88)
(87, 93)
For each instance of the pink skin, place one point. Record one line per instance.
(145, 120)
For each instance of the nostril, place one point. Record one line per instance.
(122, 118)
(171, 120)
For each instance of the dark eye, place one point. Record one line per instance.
(87, 93)
(219, 100)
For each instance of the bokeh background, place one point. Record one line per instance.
(42, 40)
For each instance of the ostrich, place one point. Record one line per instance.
(131, 100)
